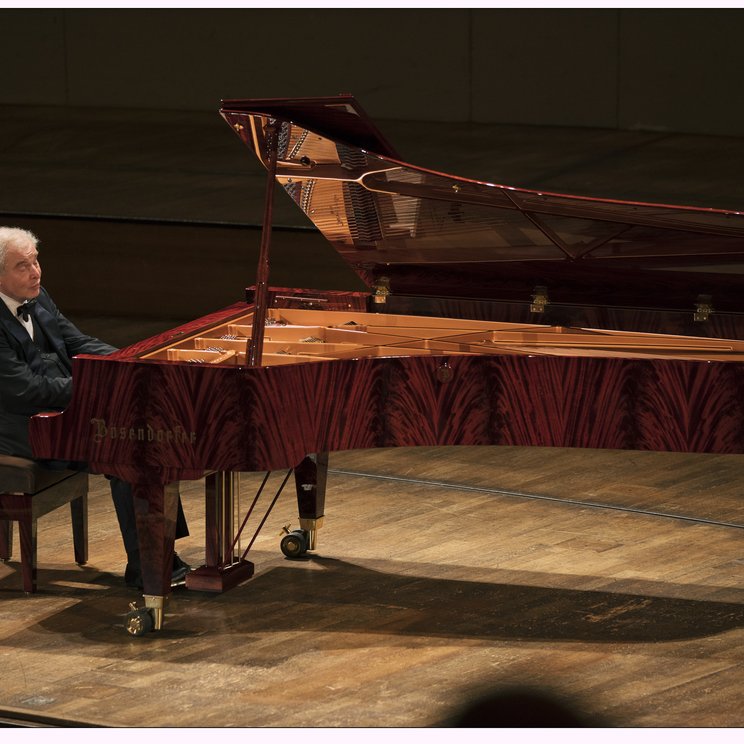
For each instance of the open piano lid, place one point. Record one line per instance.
(420, 232)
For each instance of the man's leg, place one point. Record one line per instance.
(121, 494)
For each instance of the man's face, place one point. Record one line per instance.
(21, 276)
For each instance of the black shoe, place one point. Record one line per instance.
(133, 574)
(180, 569)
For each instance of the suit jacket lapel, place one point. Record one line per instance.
(19, 333)
(49, 327)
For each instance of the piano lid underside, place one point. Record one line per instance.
(394, 220)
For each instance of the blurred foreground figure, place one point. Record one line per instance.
(521, 708)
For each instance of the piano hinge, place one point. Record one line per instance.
(539, 299)
(381, 290)
(309, 303)
(703, 308)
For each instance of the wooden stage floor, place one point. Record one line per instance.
(440, 575)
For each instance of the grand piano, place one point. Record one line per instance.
(495, 316)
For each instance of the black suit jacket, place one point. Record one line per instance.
(25, 388)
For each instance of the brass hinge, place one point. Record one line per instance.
(703, 308)
(539, 300)
(382, 290)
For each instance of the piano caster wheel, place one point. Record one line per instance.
(294, 544)
(139, 621)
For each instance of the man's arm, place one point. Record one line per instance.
(76, 342)
(25, 393)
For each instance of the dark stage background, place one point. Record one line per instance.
(111, 147)
(661, 69)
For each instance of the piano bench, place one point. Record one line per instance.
(27, 492)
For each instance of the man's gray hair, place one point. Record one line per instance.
(14, 236)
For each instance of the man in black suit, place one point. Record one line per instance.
(37, 344)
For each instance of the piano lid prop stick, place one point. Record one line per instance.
(254, 349)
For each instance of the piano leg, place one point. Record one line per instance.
(156, 507)
(310, 480)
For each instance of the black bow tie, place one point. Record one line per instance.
(26, 308)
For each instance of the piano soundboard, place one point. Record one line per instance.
(301, 336)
